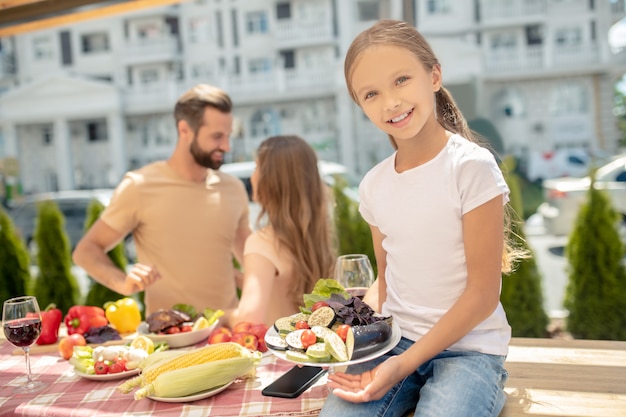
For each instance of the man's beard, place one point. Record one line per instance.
(203, 158)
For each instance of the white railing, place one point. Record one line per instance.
(498, 9)
(309, 32)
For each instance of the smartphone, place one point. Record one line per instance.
(294, 382)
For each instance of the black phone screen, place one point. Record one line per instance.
(294, 382)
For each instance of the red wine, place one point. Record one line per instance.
(22, 332)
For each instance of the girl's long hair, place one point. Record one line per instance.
(292, 194)
(401, 34)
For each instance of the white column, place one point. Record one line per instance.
(116, 132)
(63, 151)
(9, 133)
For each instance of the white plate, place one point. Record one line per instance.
(177, 340)
(193, 397)
(108, 377)
(384, 348)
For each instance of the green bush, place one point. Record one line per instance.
(522, 295)
(55, 282)
(14, 261)
(99, 294)
(353, 233)
(596, 291)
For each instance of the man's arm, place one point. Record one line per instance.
(91, 255)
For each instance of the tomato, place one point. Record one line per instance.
(302, 324)
(119, 365)
(319, 304)
(308, 338)
(101, 368)
(172, 330)
(342, 331)
(186, 328)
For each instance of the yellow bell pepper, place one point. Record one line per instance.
(123, 314)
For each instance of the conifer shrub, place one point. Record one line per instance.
(596, 290)
(98, 294)
(353, 233)
(14, 261)
(54, 282)
(522, 295)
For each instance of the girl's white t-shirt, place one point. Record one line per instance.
(419, 211)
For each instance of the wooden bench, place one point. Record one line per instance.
(573, 378)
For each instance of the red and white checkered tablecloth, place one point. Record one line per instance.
(69, 395)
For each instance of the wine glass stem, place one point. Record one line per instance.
(27, 356)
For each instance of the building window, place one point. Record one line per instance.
(47, 135)
(260, 65)
(568, 37)
(509, 103)
(199, 30)
(235, 26)
(97, 131)
(503, 41)
(289, 58)
(438, 6)
(283, 11)
(373, 10)
(569, 98)
(219, 29)
(66, 48)
(149, 76)
(95, 42)
(256, 22)
(265, 122)
(534, 35)
(42, 48)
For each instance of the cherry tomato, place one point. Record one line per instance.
(319, 304)
(101, 368)
(308, 338)
(186, 328)
(172, 330)
(302, 324)
(342, 331)
(119, 365)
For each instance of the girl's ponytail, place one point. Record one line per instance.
(449, 116)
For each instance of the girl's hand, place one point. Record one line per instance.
(368, 386)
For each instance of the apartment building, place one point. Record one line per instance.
(81, 104)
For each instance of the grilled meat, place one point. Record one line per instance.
(161, 319)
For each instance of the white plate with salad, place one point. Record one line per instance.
(333, 328)
(108, 377)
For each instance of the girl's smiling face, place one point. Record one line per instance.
(395, 91)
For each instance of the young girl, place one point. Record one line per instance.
(436, 212)
(284, 259)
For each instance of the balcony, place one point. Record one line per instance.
(290, 34)
(159, 49)
(154, 97)
(497, 10)
(280, 84)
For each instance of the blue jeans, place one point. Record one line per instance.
(452, 384)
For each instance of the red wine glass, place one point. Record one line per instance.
(21, 320)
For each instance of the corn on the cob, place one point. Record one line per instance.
(161, 362)
(186, 381)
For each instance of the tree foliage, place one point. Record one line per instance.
(596, 291)
(353, 233)
(522, 295)
(99, 294)
(55, 282)
(14, 260)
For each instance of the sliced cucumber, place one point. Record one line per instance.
(318, 352)
(323, 316)
(296, 356)
(321, 331)
(336, 347)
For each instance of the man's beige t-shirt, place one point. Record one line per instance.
(186, 229)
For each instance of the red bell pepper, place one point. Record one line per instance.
(80, 319)
(51, 319)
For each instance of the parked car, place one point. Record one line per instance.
(564, 196)
(330, 172)
(73, 204)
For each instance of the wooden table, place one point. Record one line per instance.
(573, 378)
